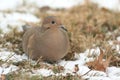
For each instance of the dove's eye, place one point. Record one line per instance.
(53, 22)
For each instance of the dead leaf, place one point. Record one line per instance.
(98, 63)
(76, 68)
(2, 77)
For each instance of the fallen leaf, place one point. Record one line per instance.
(2, 77)
(98, 63)
(76, 68)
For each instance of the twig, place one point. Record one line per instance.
(86, 72)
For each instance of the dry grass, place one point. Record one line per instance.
(39, 77)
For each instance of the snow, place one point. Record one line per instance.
(69, 65)
(43, 72)
(11, 56)
(113, 72)
(91, 52)
(115, 46)
(15, 20)
(110, 4)
(55, 3)
(99, 78)
(10, 4)
(8, 69)
(118, 38)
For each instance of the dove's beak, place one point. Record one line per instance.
(63, 27)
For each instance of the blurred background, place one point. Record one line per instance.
(15, 4)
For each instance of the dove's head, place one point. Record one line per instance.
(51, 22)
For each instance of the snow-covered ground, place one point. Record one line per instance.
(18, 19)
(112, 73)
(15, 19)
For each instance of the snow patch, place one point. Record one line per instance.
(43, 72)
(9, 21)
(55, 3)
(8, 69)
(113, 72)
(7, 56)
(109, 4)
(10, 4)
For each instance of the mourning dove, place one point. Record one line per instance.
(50, 41)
